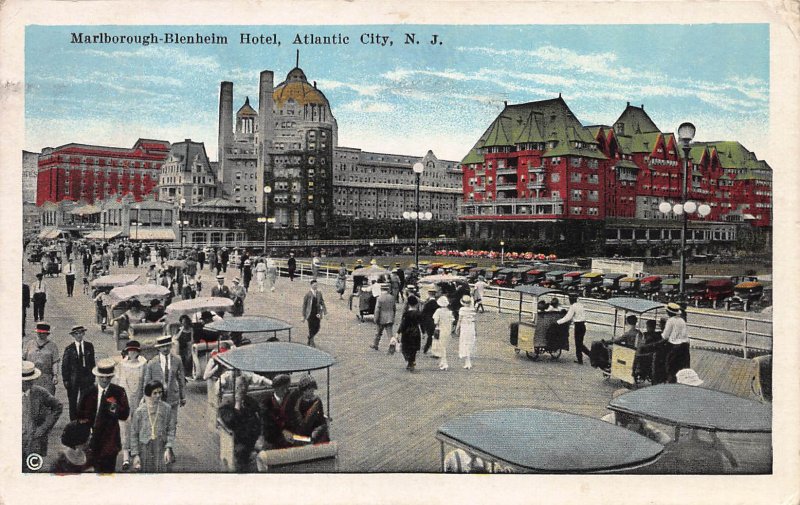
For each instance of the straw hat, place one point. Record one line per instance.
(42, 328)
(104, 368)
(163, 341)
(77, 329)
(29, 371)
(466, 300)
(673, 309)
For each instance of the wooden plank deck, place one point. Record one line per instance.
(385, 418)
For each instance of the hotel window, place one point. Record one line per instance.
(577, 194)
(554, 177)
(575, 177)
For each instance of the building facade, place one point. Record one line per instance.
(94, 173)
(186, 175)
(370, 185)
(536, 163)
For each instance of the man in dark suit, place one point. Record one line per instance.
(103, 407)
(221, 290)
(276, 411)
(40, 411)
(167, 368)
(26, 302)
(76, 368)
(313, 310)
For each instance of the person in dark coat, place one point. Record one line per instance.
(291, 266)
(26, 302)
(103, 407)
(409, 333)
(275, 413)
(243, 417)
(225, 257)
(201, 258)
(87, 260)
(73, 457)
(428, 325)
(76, 368)
(313, 310)
(308, 416)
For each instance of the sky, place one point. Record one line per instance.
(400, 98)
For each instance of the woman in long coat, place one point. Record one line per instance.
(466, 331)
(409, 332)
(152, 432)
(130, 375)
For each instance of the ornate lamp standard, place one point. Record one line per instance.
(686, 133)
(502, 252)
(266, 219)
(415, 214)
(181, 222)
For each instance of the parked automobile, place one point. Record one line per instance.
(650, 285)
(717, 291)
(746, 294)
(591, 282)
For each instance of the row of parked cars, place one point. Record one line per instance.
(731, 293)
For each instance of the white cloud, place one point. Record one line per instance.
(361, 89)
(175, 56)
(368, 107)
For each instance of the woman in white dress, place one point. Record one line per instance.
(443, 319)
(466, 331)
(261, 274)
(130, 375)
(272, 273)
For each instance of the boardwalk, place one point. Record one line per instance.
(385, 418)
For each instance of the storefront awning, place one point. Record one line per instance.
(49, 233)
(152, 234)
(99, 235)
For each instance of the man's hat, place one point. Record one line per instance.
(163, 341)
(359, 261)
(39, 275)
(237, 280)
(220, 277)
(206, 314)
(133, 345)
(247, 262)
(104, 368)
(281, 380)
(397, 264)
(29, 371)
(313, 281)
(77, 328)
(42, 328)
(432, 289)
(154, 302)
(673, 308)
(384, 287)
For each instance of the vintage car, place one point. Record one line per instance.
(650, 286)
(717, 291)
(629, 286)
(746, 294)
(591, 282)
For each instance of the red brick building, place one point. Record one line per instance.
(88, 173)
(536, 163)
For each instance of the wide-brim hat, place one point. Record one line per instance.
(206, 314)
(247, 262)
(133, 345)
(466, 300)
(442, 301)
(163, 341)
(77, 329)
(236, 280)
(104, 368)
(42, 328)
(689, 377)
(673, 308)
(75, 434)
(220, 277)
(29, 371)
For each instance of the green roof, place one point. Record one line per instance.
(544, 121)
(732, 154)
(626, 164)
(644, 142)
(635, 121)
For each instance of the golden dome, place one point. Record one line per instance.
(297, 88)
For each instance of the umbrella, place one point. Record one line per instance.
(140, 291)
(114, 280)
(249, 324)
(370, 271)
(432, 279)
(175, 264)
(194, 305)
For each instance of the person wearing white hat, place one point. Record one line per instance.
(167, 368)
(130, 375)
(677, 342)
(221, 290)
(103, 407)
(443, 318)
(40, 411)
(689, 377)
(465, 329)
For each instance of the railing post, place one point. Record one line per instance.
(744, 340)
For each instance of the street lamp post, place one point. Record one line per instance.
(418, 169)
(266, 219)
(181, 222)
(686, 133)
(502, 252)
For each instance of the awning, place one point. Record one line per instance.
(86, 210)
(157, 234)
(49, 233)
(99, 235)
